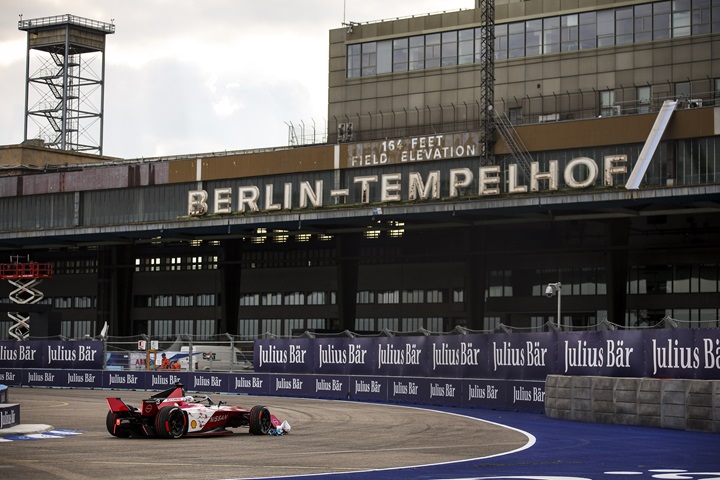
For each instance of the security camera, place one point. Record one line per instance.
(549, 291)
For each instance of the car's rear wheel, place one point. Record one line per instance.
(260, 421)
(112, 427)
(170, 422)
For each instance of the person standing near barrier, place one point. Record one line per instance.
(164, 363)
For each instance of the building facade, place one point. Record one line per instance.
(402, 223)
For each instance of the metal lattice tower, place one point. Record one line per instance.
(487, 88)
(64, 94)
(25, 277)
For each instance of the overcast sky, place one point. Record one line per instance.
(191, 76)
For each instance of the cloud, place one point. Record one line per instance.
(183, 76)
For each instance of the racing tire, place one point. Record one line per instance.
(260, 421)
(115, 431)
(170, 422)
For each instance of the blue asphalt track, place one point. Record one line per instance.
(565, 450)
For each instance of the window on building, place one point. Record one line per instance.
(365, 296)
(643, 28)
(500, 283)
(449, 49)
(272, 326)
(384, 56)
(605, 25)
(417, 53)
(433, 53)
(624, 26)
(587, 32)
(644, 99)
(569, 33)
(501, 42)
(185, 300)
(271, 298)
(391, 324)
(388, 296)
(364, 324)
(400, 55)
(248, 327)
(516, 40)
(607, 103)
(551, 35)
(662, 17)
(369, 58)
(434, 296)
(412, 324)
(533, 37)
(466, 43)
(681, 18)
(354, 57)
(316, 298)
(206, 300)
(491, 323)
(413, 296)
(249, 299)
(294, 298)
(458, 295)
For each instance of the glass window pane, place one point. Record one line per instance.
(400, 55)
(588, 30)
(623, 26)
(516, 40)
(369, 59)
(384, 56)
(569, 33)
(680, 18)
(661, 20)
(466, 45)
(643, 22)
(700, 17)
(501, 42)
(432, 50)
(417, 53)
(551, 35)
(533, 37)
(605, 28)
(449, 48)
(353, 60)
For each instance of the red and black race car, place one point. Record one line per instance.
(173, 414)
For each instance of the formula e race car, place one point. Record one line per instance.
(173, 414)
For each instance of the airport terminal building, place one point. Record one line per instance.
(407, 218)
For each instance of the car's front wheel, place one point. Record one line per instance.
(170, 422)
(260, 421)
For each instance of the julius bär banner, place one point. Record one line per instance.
(672, 353)
(52, 354)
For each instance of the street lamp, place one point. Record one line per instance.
(550, 291)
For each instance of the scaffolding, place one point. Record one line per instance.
(25, 277)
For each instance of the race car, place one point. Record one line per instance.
(174, 414)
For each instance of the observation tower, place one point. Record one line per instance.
(64, 86)
(25, 277)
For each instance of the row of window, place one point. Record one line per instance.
(192, 262)
(177, 300)
(563, 33)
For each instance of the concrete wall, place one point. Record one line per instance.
(667, 403)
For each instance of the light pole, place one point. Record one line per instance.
(550, 291)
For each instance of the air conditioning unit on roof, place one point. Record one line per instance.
(695, 103)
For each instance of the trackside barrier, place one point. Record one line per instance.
(521, 395)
